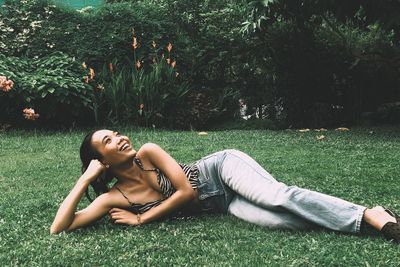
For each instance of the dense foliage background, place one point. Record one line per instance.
(301, 63)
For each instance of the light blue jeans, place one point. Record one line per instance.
(232, 182)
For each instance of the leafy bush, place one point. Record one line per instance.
(139, 95)
(39, 27)
(324, 64)
(327, 65)
(53, 85)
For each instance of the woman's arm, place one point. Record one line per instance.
(183, 195)
(66, 217)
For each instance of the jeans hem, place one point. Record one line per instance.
(359, 219)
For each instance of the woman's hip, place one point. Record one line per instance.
(214, 172)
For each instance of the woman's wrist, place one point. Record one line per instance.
(85, 180)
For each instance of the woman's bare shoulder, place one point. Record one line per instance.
(149, 151)
(147, 148)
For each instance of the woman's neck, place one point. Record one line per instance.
(127, 172)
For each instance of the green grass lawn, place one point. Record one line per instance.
(37, 170)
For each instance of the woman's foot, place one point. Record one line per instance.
(378, 217)
(382, 221)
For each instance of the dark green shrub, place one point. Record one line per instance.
(52, 85)
(327, 66)
(324, 64)
(97, 37)
(388, 113)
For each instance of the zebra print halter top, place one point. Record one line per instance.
(191, 171)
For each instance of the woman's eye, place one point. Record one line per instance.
(108, 141)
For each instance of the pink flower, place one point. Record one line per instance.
(3, 79)
(29, 114)
(5, 85)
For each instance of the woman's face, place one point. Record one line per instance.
(115, 148)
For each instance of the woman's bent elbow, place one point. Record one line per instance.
(191, 195)
(54, 230)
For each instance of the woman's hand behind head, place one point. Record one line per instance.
(94, 170)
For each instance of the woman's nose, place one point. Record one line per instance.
(120, 138)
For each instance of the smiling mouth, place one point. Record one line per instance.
(125, 147)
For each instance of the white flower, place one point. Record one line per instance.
(36, 24)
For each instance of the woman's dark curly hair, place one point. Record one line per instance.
(88, 153)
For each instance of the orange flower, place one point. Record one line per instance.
(5, 85)
(141, 106)
(84, 65)
(8, 85)
(110, 67)
(173, 64)
(134, 43)
(138, 64)
(91, 73)
(30, 114)
(3, 79)
(169, 47)
(168, 61)
(154, 44)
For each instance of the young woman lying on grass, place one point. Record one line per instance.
(151, 185)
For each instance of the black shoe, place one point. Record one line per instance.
(390, 230)
(392, 213)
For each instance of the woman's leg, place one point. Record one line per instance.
(248, 211)
(249, 180)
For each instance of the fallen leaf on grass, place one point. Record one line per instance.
(304, 130)
(321, 137)
(321, 130)
(203, 133)
(342, 129)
